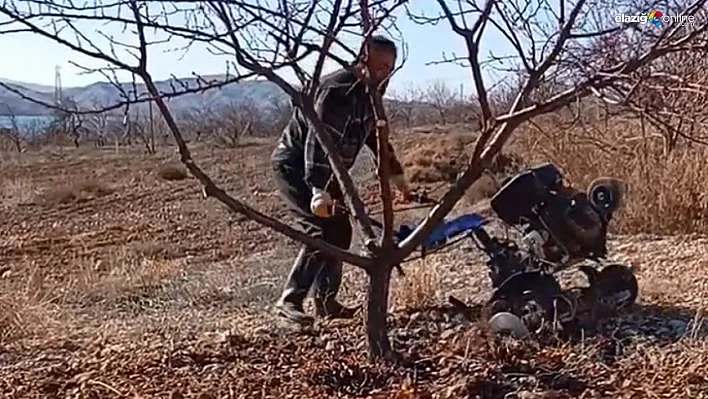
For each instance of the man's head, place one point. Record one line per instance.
(382, 57)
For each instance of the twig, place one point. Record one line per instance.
(104, 385)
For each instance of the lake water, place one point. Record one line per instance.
(26, 122)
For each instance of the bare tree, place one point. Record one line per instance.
(673, 97)
(264, 40)
(404, 106)
(12, 133)
(228, 123)
(238, 122)
(278, 114)
(68, 122)
(198, 120)
(143, 127)
(98, 124)
(439, 95)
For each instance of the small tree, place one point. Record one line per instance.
(99, 124)
(442, 99)
(405, 105)
(238, 121)
(12, 133)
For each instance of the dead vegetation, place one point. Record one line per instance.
(172, 173)
(176, 306)
(26, 310)
(67, 192)
(418, 288)
(442, 156)
(665, 191)
(17, 191)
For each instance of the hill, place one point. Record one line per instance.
(259, 93)
(12, 104)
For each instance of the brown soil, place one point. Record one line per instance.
(118, 280)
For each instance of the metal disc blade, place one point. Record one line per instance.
(508, 322)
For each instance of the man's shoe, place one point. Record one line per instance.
(335, 310)
(293, 313)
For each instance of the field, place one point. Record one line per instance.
(118, 280)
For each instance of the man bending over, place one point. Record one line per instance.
(307, 184)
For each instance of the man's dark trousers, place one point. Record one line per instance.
(312, 268)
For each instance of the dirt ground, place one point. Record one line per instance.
(119, 281)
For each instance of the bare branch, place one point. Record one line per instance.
(382, 132)
(141, 20)
(567, 73)
(472, 38)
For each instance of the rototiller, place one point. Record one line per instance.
(560, 228)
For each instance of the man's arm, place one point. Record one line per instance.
(397, 176)
(395, 166)
(331, 107)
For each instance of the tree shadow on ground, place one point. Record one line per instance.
(649, 323)
(510, 371)
(660, 324)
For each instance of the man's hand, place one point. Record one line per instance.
(321, 203)
(402, 185)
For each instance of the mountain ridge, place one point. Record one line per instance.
(261, 93)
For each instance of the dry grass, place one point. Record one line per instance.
(666, 192)
(29, 308)
(435, 158)
(172, 173)
(125, 294)
(17, 191)
(419, 287)
(42, 305)
(121, 273)
(81, 191)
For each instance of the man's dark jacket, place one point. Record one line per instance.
(343, 104)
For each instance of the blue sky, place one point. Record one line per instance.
(30, 58)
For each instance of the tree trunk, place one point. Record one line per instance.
(377, 311)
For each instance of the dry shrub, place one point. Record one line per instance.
(667, 196)
(436, 158)
(20, 316)
(172, 173)
(419, 286)
(122, 272)
(27, 308)
(17, 191)
(666, 192)
(154, 250)
(79, 192)
(485, 187)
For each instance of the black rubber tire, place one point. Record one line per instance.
(614, 279)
